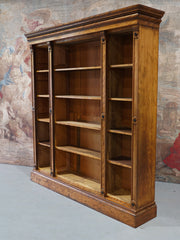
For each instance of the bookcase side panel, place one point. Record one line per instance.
(147, 112)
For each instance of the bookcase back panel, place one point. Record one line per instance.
(42, 86)
(119, 147)
(120, 115)
(77, 83)
(84, 54)
(120, 48)
(90, 168)
(42, 108)
(90, 139)
(43, 156)
(61, 109)
(61, 135)
(62, 161)
(119, 180)
(61, 83)
(121, 83)
(43, 132)
(41, 58)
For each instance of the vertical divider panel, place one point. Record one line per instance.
(134, 119)
(34, 118)
(103, 85)
(51, 107)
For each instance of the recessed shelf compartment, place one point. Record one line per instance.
(120, 84)
(87, 125)
(80, 151)
(41, 59)
(123, 58)
(80, 181)
(122, 120)
(119, 145)
(119, 182)
(45, 170)
(43, 153)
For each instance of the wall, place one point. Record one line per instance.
(19, 17)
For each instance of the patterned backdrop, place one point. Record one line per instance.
(18, 17)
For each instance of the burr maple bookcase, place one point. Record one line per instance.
(94, 85)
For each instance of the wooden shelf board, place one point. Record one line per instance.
(122, 195)
(43, 95)
(93, 126)
(46, 144)
(79, 181)
(121, 131)
(121, 99)
(123, 163)
(46, 120)
(80, 151)
(42, 71)
(129, 65)
(77, 69)
(78, 97)
(45, 170)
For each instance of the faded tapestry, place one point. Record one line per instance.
(20, 17)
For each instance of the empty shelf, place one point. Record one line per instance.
(46, 144)
(123, 163)
(94, 126)
(78, 97)
(42, 71)
(76, 68)
(80, 151)
(43, 95)
(80, 181)
(45, 170)
(122, 195)
(121, 99)
(121, 65)
(121, 131)
(43, 120)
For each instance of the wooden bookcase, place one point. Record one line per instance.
(94, 85)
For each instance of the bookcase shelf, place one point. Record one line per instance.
(46, 144)
(78, 97)
(80, 151)
(121, 99)
(94, 108)
(45, 120)
(121, 131)
(87, 125)
(123, 163)
(77, 69)
(130, 65)
(43, 95)
(42, 71)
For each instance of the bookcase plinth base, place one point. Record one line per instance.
(97, 202)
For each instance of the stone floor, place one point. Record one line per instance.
(29, 211)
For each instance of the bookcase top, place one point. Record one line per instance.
(137, 12)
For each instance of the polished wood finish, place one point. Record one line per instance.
(94, 85)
